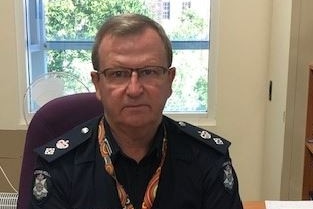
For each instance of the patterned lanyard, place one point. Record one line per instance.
(152, 187)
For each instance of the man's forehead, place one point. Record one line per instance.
(130, 34)
(112, 41)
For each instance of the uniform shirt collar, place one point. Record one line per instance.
(156, 147)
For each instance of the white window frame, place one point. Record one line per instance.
(199, 119)
(22, 59)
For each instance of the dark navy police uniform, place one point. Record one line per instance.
(197, 172)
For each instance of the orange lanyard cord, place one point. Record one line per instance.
(152, 187)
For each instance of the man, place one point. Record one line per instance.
(133, 156)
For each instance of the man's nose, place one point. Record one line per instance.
(134, 87)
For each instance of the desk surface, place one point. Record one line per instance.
(254, 205)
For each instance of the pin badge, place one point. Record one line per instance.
(62, 144)
(49, 151)
(205, 134)
(218, 141)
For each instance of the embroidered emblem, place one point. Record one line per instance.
(49, 151)
(62, 144)
(205, 134)
(40, 189)
(218, 141)
(228, 177)
(85, 130)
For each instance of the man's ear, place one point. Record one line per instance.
(172, 73)
(96, 82)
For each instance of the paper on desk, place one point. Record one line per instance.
(269, 204)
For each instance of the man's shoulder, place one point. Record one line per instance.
(68, 141)
(200, 136)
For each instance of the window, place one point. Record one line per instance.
(60, 35)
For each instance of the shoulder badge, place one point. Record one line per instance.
(228, 176)
(204, 136)
(67, 142)
(41, 185)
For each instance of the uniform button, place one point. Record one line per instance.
(85, 130)
(181, 123)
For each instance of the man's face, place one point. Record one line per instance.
(134, 103)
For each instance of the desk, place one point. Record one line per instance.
(254, 205)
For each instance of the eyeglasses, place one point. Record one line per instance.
(120, 75)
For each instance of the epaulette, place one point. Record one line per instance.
(66, 142)
(208, 138)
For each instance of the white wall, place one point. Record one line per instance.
(9, 91)
(244, 43)
(244, 34)
(275, 114)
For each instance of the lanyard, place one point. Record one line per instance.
(152, 187)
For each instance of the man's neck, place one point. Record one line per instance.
(134, 142)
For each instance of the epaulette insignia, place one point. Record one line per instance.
(205, 136)
(65, 143)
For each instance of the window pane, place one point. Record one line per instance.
(80, 19)
(74, 62)
(190, 85)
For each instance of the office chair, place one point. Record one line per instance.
(50, 121)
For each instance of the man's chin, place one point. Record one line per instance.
(140, 121)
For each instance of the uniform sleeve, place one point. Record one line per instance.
(48, 189)
(222, 191)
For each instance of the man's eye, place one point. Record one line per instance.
(148, 72)
(118, 73)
